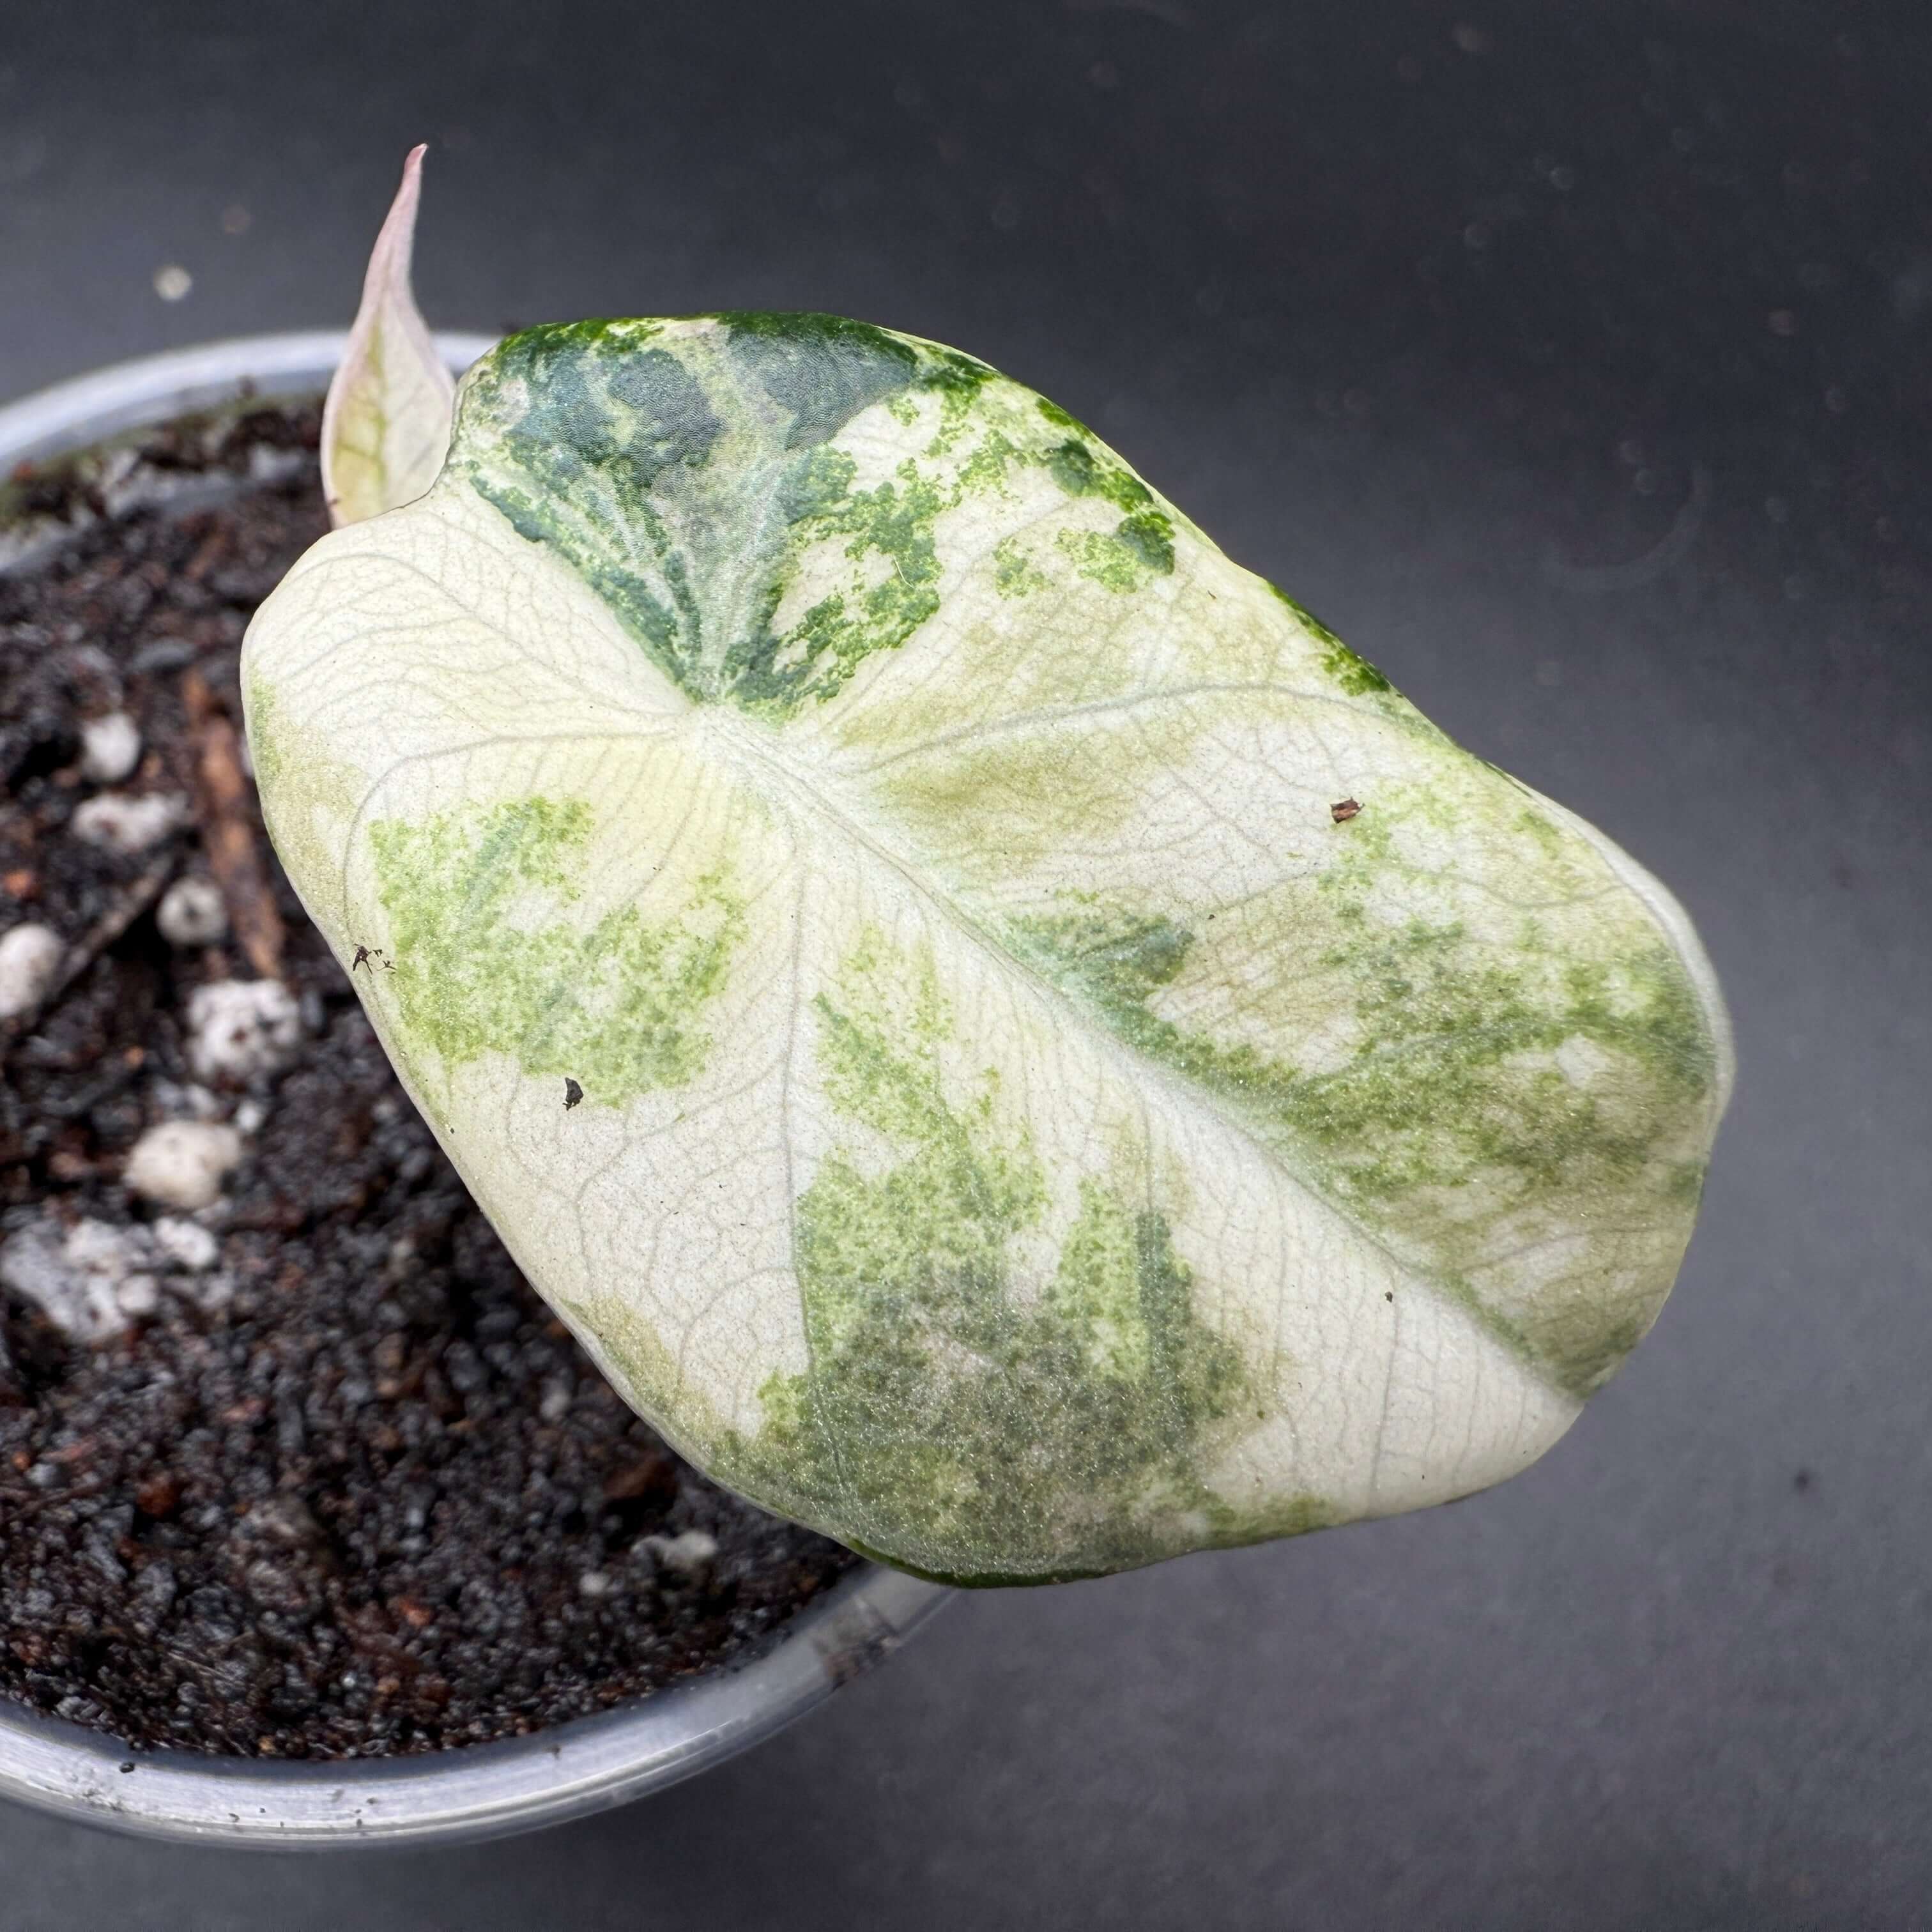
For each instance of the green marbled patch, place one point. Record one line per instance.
(893, 521)
(947, 1421)
(1353, 674)
(1083, 466)
(266, 732)
(487, 956)
(819, 370)
(1114, 562)
(1449, 1118)
(690, 471)
(1290, 1515)
(573, 432)
(1014, 574)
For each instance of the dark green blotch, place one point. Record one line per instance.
(573, 373)
(1148, 536)
(1354, 674)
(953, 373)
(673, 421)
(1430, 1102)
(946, 1423)
(605, 419)
(1083, 467)
(1121, 963)
(1064, 419)
(821, 370)
(1596, 1353)
(601, 440)
(604, 435)
(895, 519)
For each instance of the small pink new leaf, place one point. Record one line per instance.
(386, 427)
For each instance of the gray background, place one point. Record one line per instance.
(1429, 311)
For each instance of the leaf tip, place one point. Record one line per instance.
(385, 424)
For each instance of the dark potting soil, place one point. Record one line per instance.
(340, 1486)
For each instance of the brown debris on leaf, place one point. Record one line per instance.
(1344, 809)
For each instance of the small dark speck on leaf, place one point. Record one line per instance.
(1801, 1481)
(1388, 1295)
(128, 1766)
(362, 958)
(572, 1094)
(1343, 810)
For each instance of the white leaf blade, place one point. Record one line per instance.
(957, 1238)
(386, 421)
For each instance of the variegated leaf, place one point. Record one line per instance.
(386, 423)
(1030, 1124)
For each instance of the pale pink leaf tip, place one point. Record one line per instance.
(385, 426)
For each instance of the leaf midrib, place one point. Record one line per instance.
(757, 753)
(754, 747)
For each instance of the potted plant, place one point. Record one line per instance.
(219, 433)
(1008, 1042)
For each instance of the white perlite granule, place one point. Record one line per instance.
(137, 1295)
(182, 1163)
(186, 1243)
(93, 1279)
(30, 958)
(110, 748)
(89, 1283)
(239, 1028)
(192, 912)
(690, 1555)
(80, 1307)
(120, 822)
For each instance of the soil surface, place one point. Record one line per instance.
(310, 1472)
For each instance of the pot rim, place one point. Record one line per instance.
(467, 1791)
